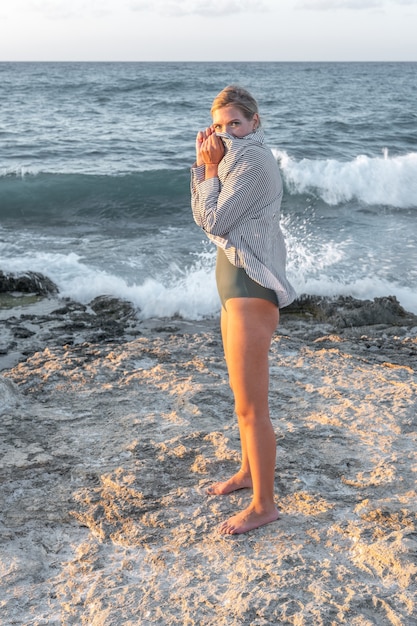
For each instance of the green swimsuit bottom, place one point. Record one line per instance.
(233, 282)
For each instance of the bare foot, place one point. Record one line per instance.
(239, 481)
(248, 520)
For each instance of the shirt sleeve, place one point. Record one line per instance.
(218, 208)
(200, 190)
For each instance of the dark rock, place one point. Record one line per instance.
(348, 312)
(381, 311)
(113, 308)
(22, 333)
(70, 323)
(70, 307)
(28, 282)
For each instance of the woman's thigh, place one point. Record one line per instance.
(251, 323)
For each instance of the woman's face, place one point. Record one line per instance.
(231, 120)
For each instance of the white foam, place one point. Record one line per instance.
(325, 269)
(390, 181)
(313, 268)
(192, 295)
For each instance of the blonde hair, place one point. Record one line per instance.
(236, 96)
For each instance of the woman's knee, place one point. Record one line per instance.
(250, 410)
(253, 421)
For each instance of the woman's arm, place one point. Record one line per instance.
(218, 208)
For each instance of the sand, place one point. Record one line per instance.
(106, 449)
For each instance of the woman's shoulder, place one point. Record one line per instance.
(258, 154)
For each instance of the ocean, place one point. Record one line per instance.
(94, 177)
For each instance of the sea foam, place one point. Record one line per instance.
(385, 180)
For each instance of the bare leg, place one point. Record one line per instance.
(242, 479)
(251, 323)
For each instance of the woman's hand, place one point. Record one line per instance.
(201, 135)
(209, 148)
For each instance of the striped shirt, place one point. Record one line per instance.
(240, 211)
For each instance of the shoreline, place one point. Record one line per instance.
(31, 322)
(111, 428)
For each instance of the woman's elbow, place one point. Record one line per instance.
(214, 229)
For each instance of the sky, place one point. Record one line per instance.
(208, 30)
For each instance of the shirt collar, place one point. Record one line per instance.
(256, 137)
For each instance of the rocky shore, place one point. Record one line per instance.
(111, 427)
(32, 316)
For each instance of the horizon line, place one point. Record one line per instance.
(205, 61)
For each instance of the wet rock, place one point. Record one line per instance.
(113, 308)
(69, 308)
(348, 312)
(66, 322)
(365, 313)
(28, 282)
(23, 333)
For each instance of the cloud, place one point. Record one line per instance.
(65, 9)
(325, 5)
(210, 8)
(61, 9)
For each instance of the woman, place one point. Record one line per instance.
(236, 196)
